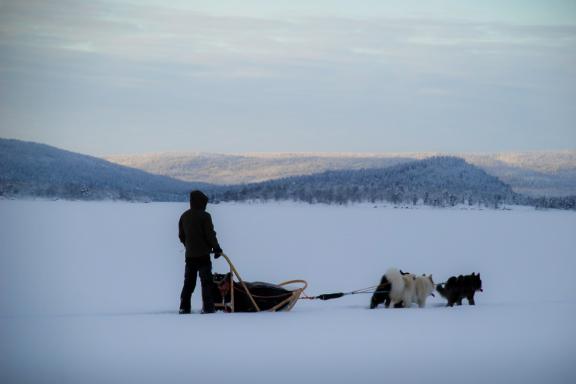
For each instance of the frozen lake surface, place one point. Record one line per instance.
(89, 293)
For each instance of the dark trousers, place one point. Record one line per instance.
(203, 267)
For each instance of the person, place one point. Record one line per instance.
(196, 232)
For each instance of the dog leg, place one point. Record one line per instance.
(374, 302)
(421, 303)
(407, 300)
(471, 300)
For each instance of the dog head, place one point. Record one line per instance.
(223, 283)
(429, 283)
(218, 277)
(476, 282)
(432, 285)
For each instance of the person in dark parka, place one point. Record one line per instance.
(196, 232)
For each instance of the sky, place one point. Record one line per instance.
(108, 77)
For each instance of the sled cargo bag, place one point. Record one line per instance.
(257, 296)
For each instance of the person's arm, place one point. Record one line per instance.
(211, 235)
(181, 233)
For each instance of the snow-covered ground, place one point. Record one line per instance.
(89, 293)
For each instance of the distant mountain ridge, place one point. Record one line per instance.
(36, 170)
(437, 181)
(551, 173)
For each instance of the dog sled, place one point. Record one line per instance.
(241, 296)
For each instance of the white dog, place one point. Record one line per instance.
(402, 288)
(423, 287)
(405, 288)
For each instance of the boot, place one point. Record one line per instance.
(208, 310)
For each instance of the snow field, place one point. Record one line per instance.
(89, 290)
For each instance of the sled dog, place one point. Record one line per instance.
(396, 288)
(423, 287)
(457, 288)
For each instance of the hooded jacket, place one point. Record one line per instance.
(195, 228)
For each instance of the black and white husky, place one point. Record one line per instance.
(401, 289)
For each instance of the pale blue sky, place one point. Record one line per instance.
(120, 76)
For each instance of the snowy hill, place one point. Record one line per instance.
(535, 173)
(37, 170)
(251, 167)
(438, 181)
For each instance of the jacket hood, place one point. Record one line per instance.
(198, 200)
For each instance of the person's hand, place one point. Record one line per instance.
(217, 254)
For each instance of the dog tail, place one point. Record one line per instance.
(441, 290)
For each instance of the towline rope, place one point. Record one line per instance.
(336, 295)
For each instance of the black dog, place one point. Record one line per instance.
(458, 288)
(218, 278)
(382, 294)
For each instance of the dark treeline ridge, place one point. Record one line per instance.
(436, 181)
(564, 202)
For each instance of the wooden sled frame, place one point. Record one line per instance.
(284, 305)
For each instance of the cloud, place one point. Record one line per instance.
(156, 34)
(109, 60)
(155, 43)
